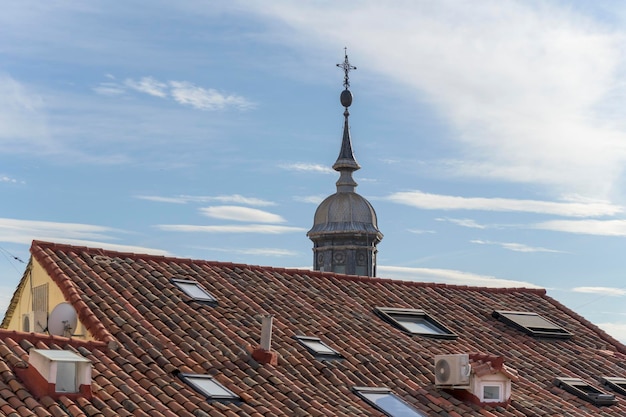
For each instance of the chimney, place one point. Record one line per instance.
(263, 354)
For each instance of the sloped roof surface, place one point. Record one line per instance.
(150, 331)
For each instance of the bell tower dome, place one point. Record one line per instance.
(345, 228)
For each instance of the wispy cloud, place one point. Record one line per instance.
(421, 232)
(22, 117)
(148, 85)
(247, 228)
(450, 276)
(545, 77)
(612, 292)
(206, 99)
(587, 227)
(429, 201)
(25, 231)
(241, 214)
(516, 247)
(617, 330)
(182, 92)
(184, 199)
(4, 178)
(307, 167)
(472, 224)
(276, 252)
(311, 199)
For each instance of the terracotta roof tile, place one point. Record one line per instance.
(148, 331)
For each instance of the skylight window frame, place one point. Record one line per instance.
(207, 299)
(616, 384)
(333, 354)
(391, 315)
(554, 331)
(585, 391)
(363, 392)
(226, 397)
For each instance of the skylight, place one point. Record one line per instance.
(532, 323)
(209, 387)
(583, 390)
(616, 384)
(194, 290)
(415, 322)
(318, 348)
(384, 400)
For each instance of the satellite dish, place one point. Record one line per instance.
(442, 370)
(62, 320)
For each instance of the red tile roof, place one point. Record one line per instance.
(149, 331)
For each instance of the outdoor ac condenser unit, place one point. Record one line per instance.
(35, 321)
(452, 370)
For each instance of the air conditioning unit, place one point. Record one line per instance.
(35, 321)
(452, 370)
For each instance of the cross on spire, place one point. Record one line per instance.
(345, 65)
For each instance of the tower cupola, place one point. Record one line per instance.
(345, 228)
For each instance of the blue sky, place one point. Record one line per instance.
(491, 135)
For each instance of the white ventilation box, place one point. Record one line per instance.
(452, 370)
(35, 321)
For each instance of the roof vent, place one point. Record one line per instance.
(57, 372)
(264, 354)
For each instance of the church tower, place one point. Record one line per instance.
(345, 228)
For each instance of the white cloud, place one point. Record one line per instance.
(4, 178)
(200, 98)
(306, 167)
(617, 330)
(25, 231)
(159, 199)
(242, 214)
(109, 89)
(429, 201)
(257, 251)
(183, 92)
(22, 117)
(472, 224)
(587, 227)
(613, 292)
(247, 228)
(421, 232)
(148, 85)
(449, 276)
(184, 199)
(516, 247)
(531, 89)
(311, 199)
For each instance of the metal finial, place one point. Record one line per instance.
(345, 65)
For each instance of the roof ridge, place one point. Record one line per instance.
(355, 278)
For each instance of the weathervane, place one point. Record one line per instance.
(345, 65)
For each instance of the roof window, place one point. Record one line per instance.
(194, 290)
(616, 384)
(532, 323)
(415, 322)
(384, 400)
(318, 348)
(583, 390)
(209, 387)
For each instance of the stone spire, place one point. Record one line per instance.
(345, 228)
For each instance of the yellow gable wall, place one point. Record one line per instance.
(34, 282)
